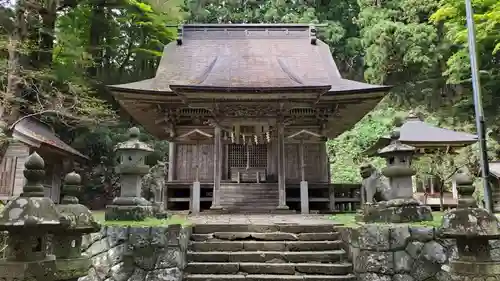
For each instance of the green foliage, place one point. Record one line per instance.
(99, 143)
(347, 151)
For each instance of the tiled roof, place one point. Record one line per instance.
(248, 56)
(420, 134)
(42, 133)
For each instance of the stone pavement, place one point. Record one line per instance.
(261, 219)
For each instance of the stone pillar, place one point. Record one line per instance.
(281, 168)
(132, 167)
(66, 243)
(195, 197)
(304, 188)
(217, 169)
(29, 219)
(472, 228)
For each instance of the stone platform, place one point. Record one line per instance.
(262, 219)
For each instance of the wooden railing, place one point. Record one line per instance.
(325, 197)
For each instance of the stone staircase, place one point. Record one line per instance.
(267, 253)
(249, 197)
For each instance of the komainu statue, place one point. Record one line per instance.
(374, 186)
(153, 183)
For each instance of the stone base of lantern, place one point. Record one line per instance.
(27, 270)
(128, 213)
(72, 269)
(475, 270)
(396, 211)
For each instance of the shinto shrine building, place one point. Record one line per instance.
(248, 109)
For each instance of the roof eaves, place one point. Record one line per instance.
(374, 89)
(199, 88)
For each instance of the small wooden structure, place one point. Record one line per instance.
(426, 138)
(494, 179)
(266, 96)
(30, 135)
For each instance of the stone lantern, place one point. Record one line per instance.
(399, 171)
(29, 219)
(130, 205)
(398, 204)
(472, 228)
(70, 264)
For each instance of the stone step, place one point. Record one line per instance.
(251, 190)
(264, 211)
(271, 256)
(294, 246)
(268, 268)
(227, 209)
(240, 277)
(251, 205)
(321, 236)
(253, 202)
(256, 192)
(265, 228)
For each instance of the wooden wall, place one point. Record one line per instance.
(11, 169)
(315, 158)
(187, 157)
(316, 169)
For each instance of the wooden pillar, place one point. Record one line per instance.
(302, 162)
(217, 168)
(171, 169)
(281, 167)
(171, 160)
(196, 187)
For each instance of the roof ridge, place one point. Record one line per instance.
(251, 25)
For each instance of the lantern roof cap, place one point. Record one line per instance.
(395, 146)
(133, 142)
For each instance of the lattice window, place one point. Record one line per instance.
(238, 155)
(258, 156)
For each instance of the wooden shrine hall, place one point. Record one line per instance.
(247, 109)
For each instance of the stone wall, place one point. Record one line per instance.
(401, 252)
(392, 252)
(137, 253)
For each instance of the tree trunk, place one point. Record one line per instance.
(9, 108)
(46, 48)
(96, 20)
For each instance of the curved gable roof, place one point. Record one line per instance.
(248, 56)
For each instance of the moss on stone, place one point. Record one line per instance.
(176, 219)
(348, 220)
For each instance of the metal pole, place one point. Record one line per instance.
(478, 108)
